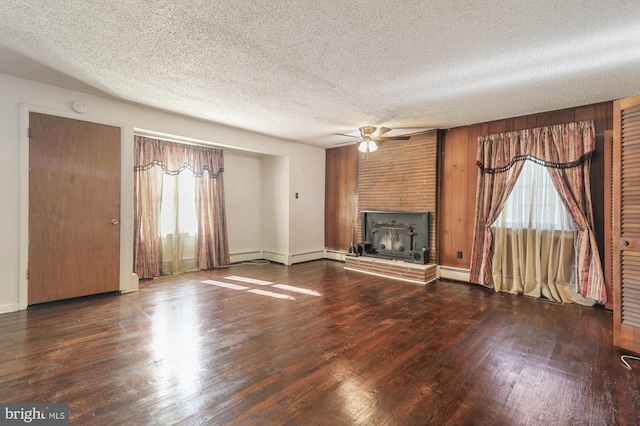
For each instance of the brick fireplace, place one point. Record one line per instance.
(398, 177)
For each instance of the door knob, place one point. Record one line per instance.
(624, 243)
(115, 221)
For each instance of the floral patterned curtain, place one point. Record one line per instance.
(566, 150)
(154, 157)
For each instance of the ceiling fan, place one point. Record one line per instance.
(371, 135)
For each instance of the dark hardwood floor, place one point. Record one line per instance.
(352, 349)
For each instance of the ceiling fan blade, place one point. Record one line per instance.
(344, 134)
(394, 138)
(381, 131)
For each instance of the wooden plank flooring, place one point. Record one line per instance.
(363, 350)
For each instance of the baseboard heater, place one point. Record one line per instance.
(451, 273)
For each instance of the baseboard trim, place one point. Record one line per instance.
(275, 257)
(10, 307)
(246, 256)
(451, 273)
(306, 257)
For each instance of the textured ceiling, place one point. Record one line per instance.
(303, 70)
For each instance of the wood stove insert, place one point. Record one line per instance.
(395, 235)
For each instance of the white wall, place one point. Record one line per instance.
(291, 166)
(275, 196)
(242, 181)
(306, 217)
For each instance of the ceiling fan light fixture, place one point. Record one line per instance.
(367, 146)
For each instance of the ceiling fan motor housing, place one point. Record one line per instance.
(367, 131)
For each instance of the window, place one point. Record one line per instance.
(178, 212)
(534, 203)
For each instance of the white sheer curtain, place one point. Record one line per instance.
(178, 223)
(534, 240)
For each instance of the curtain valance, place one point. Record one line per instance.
(174, 158)
(562, 146)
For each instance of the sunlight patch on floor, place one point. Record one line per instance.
(248, 280)
(226, 285)
(296, 289)
(284, 287)
(272, 294)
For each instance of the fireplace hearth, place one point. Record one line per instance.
(395, 235)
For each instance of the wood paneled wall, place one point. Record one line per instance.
(341, 197)
(458, 175)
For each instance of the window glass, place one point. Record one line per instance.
(178, 211)
(535, 203)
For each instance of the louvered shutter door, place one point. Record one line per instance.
(626, 224)
(608, 216)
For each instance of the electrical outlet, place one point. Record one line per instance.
(459, 255)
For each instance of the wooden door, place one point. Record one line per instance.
(74, 208)
(626, 224)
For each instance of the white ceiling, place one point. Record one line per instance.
(305, 69)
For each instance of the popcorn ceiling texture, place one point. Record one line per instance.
(302, 70)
